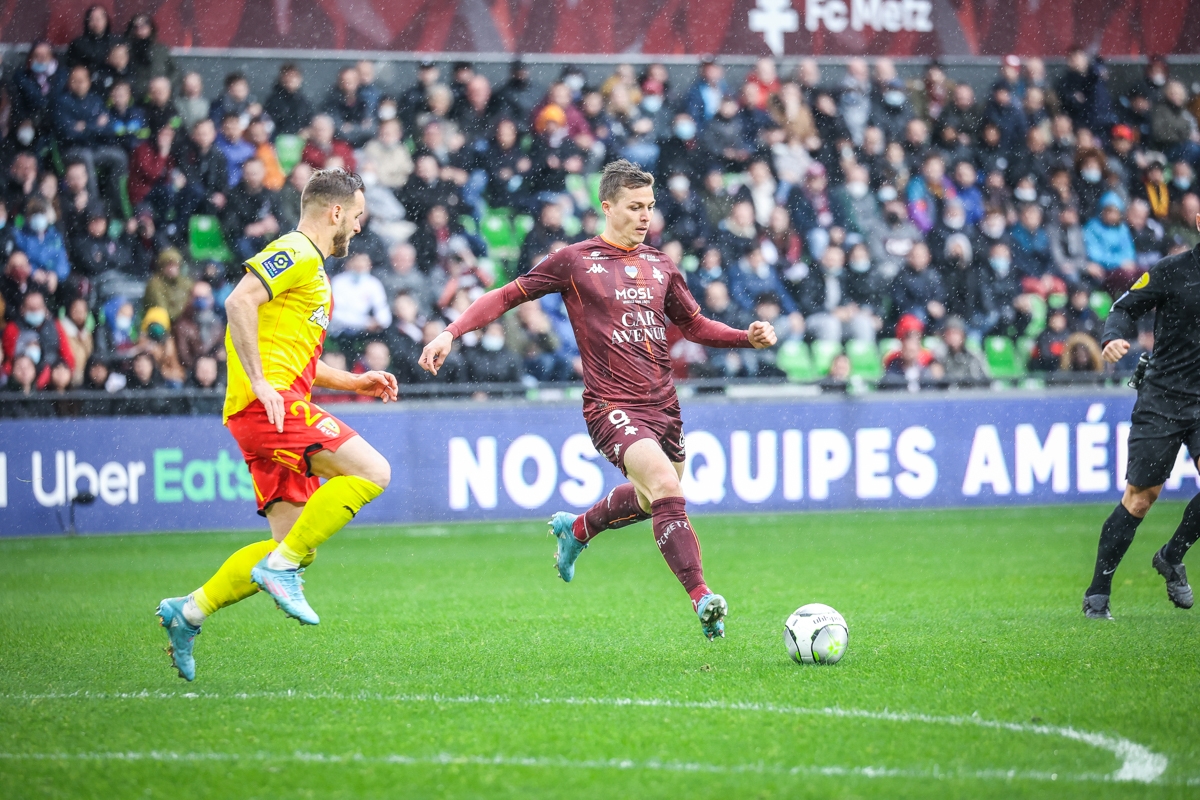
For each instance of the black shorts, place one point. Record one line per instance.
(1160, 426)
(613, 429)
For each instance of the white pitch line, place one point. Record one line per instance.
(447, 759)
(1138, 763)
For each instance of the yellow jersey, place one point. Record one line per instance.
(291, 324)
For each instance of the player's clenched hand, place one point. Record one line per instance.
(1115, 350)
(272, 402)
(434, 354)
(377, 384)
(762, 334)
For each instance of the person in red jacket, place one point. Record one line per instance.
(151, 164)
(322, 147)
(36, 334)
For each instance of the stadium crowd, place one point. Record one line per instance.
(904, 235)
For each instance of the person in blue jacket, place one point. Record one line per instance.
(84, 130)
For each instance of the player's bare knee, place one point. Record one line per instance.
(378, 471)
(665, 485)
(1138, 500)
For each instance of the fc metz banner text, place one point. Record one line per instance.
(674, 27)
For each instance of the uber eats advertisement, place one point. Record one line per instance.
(186, 473)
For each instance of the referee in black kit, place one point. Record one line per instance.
(1166, 415)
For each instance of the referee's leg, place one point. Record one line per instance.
(1117, 534)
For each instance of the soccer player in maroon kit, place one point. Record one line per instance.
(619, 294)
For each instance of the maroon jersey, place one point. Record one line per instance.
(619, 302)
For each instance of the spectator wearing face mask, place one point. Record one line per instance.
(912, 367)
(835, 305)
(199, 332)
(679, 152)
(961, 367)
(489, 361)
(1010, 305)
(752, 276)
(34, 333)
(41, 241)
(35, 88)
(967, 284)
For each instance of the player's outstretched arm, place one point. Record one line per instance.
(241, 308)
(374, 383)
(483, 312)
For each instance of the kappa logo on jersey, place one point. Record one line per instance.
(595, 269)
(631, 271)
(1142, 282)
(658, 276)
(320, 317)
(649, 257)
(276, 263)
(636, 294)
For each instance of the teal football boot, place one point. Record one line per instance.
(562, 525)
(711, 609)
(180, 634)
(286, 588)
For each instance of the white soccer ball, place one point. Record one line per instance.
(816, 634)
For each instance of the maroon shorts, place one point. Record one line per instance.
(614, 429)
(278, 462)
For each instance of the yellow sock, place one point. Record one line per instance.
(328, 511)
(231, 583)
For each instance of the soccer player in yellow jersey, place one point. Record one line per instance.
(278, 315)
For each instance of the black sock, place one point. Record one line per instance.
(1115, 538)
(1185, 535)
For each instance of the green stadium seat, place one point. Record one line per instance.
(288, 147)
(576, 184)
(1039, 310)
(823, 354)
(1101, 303)
(794, 359)
(864, 359)
(1025, 347)
(522, 225)
(1002, 358)
(593, 184)
(571, 226)
(498, 233)
(205, 239)
(468, 224)
(1057, 300)
(887, 346)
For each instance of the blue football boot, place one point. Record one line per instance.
(180, 634)
(562, 525)
(286, 588)
(711, 609)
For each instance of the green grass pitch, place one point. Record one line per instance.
(451, 661)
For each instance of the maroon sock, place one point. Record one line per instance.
(675, 538)
(619, 509)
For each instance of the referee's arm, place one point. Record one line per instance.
(1121, 326)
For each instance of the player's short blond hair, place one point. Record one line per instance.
(622, 174)
(329, 187)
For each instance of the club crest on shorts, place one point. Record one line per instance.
(329, 427)
(631, 271)
(276, 263)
